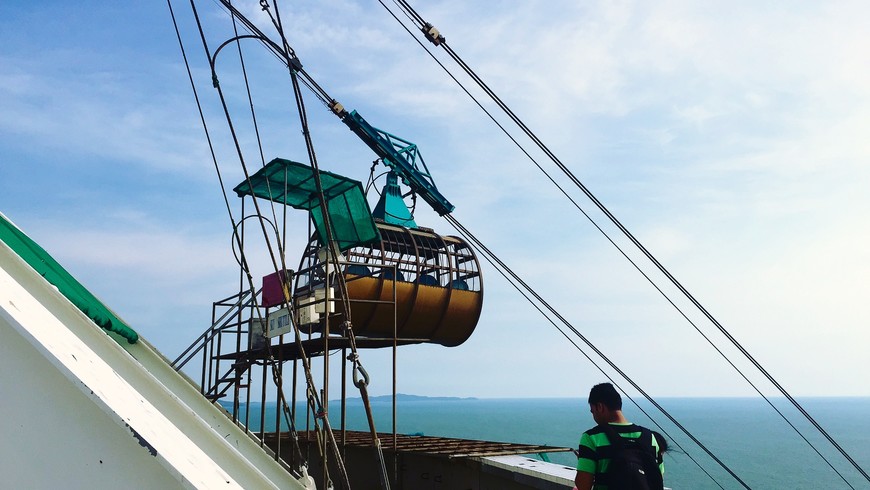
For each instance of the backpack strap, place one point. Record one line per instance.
(644, 441)
(617, 440)
(646, 436)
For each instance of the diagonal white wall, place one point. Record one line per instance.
(53, 435)
(79, 411)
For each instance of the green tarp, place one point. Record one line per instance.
(292, 183)
(54, 273)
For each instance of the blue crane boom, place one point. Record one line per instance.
(400, 155)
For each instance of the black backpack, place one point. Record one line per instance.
(634, 464)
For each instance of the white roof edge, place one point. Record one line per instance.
(137, 389)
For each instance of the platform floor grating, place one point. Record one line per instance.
(436, 446)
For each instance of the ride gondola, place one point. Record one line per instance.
(426, 284)
(403, 281)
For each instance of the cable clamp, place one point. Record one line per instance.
(336, 108)
(432, 34)
(294, 63)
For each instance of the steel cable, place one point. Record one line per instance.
(615, 245)
(332, 252)
(515, 279)
(313, 399)
(649, 256)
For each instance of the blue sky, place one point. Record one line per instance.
(730, 138)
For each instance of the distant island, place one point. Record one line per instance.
(402, 397)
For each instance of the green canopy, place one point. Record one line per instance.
(292, 183)
(54, 273)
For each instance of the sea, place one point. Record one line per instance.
(747, 435)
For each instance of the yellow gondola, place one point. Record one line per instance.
(437, 280)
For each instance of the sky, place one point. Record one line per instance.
(731, 138)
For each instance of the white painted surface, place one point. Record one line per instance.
(555, 473)
(73, 397)
(552, 472)
(50, 437)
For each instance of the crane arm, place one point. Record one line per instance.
(400, 155)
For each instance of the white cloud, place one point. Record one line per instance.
(730, 138)
(99, 114)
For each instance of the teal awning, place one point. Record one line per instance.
(54, 273)
(292, 183)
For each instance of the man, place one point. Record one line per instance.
(597, 447)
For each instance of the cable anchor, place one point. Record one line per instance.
(358, 369)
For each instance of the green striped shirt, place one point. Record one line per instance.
(594, 450)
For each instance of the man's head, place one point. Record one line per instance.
(604, 402)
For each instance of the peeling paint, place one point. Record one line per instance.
(142, 442)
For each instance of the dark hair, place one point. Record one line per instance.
(662, 442)
(605, 393)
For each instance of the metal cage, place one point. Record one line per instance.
(414, 283)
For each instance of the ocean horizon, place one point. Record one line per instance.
(746, 434)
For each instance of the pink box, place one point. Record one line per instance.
(272, 293)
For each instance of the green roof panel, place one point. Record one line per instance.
(292, 183)
(54, 273)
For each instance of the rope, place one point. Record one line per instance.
(312, 396)
(281, 250)
(201, 114)
(288, 58)
(332, 256)
(242, 259)
(277, 376)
